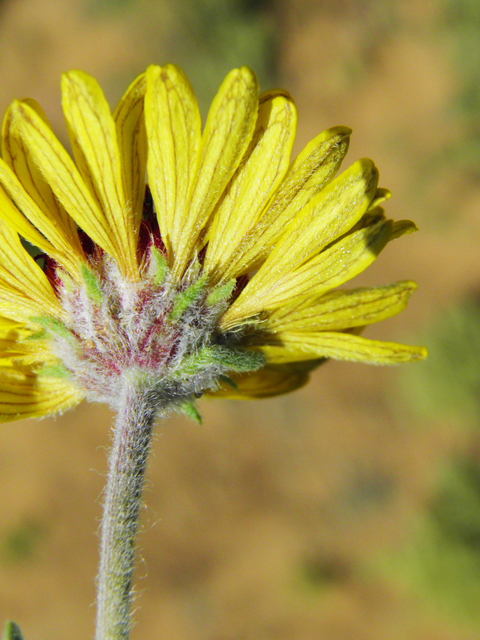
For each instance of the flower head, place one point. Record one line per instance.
(194, 262)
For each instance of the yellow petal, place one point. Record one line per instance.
(174, 134)
(16, 220)
(228, 131)
(340, 310)
(93, 137)
(340, 346)
(334, 266)
(24, 394)
(6, 324)
(131, 136)
(326, 217)
(18, 350)
(45, 212)
(15, 305)
(63, 177)
(11, 335)
(310, 172)
(25, 289)
(402, 228)
(251, 188)
(272, 380)
(341, 262)
(54, 231)
(381, 195)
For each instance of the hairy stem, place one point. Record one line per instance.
(128, 460)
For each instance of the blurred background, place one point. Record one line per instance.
(351, 508)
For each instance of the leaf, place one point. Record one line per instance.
(12, 631)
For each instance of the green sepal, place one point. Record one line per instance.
(191, 411)
(221, 292)
(238, 360)
(227, 380)
(53, 325)
(186, 298)
(54, 371)
(160, 266)
(38, 335)
(92, 284)
(11, 631)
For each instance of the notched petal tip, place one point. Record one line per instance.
(76, 77)
(244, 72)
(77, 85)
(381, 195)
(402, 228)
(370, 174)
(18, 110)
(409, 286)
(34, 105)
(271, 94)
(422, 353)
(341, 129)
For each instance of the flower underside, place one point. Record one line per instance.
(158, 332)
(189, 262)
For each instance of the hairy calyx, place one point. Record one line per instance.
(161, 335)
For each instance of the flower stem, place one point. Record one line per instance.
(128, 460)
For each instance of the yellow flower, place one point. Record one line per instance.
(221, 265)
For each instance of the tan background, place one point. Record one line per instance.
(347, 510)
